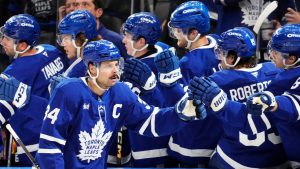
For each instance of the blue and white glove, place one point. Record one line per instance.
(260, 102)
(139, 74)
(14, 91)
(167, 65)
(54, 81)
(208, 92)
(188, 109)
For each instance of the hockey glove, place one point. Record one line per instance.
(167, 65)
(189, 110)
(260, 102)
(208, 92)
(54, 81)
(12, 90)
(139, 74)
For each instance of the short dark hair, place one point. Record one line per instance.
(98, 4)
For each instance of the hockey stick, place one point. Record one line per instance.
(19, 141)
(119, 146)
(264, 15)
(9, 151)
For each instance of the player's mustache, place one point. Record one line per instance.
(115, 76)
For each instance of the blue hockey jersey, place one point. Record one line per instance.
(287, 115)
(148, 151)
(194, 144)
(34, 70)
(199, 62)
(76, 69)
(244, 144)
(78, 124)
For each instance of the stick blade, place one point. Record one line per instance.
(265, 13)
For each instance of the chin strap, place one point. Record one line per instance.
(20, 52)
(191, 41)
(135, 49)
(78, 54)
(286, 66)
(235, 63)
(94, 78)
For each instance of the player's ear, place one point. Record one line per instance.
(192, 33)
(92, 69)
(22, 45)
(141, 41)
(230, 59)
(292, 59)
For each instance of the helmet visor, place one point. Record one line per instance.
(175, 33)
(220, 53)
(272, 53)
(63, 39)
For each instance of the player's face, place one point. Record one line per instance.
(127, 38)
(7, 45)
(129, 43)
(108, 74)
(221, 55)
(181, 40)
(70, 5)
(277, 58)
(66, 42)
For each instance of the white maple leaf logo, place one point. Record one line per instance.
(250, 9)
(92, 145)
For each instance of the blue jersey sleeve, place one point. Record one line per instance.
(6, 111)
(288, 110)
(152, 121)
(32, 109)
(54, 131)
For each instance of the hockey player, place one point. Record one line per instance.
(189, 24)
(75, 31)
(243, 144)
(32, 66)
(84, 113)
(141, 32)
(284, 108)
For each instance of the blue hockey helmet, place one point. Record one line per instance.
(287, 39)
(143, 24)
(100, 51)
(22, 27)
(78, 21)
(191, 15)
(239, 39)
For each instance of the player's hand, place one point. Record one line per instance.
(139, 74)
(167, 65)
(188, 109)
(292, 16)
(261, 102)
(208, 92)
(54, 81)
(14, 91)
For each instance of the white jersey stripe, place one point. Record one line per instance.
(49, 151)
(30, 148)
(8, 107)
(53, 139)
(138, 155)
(189, 152)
